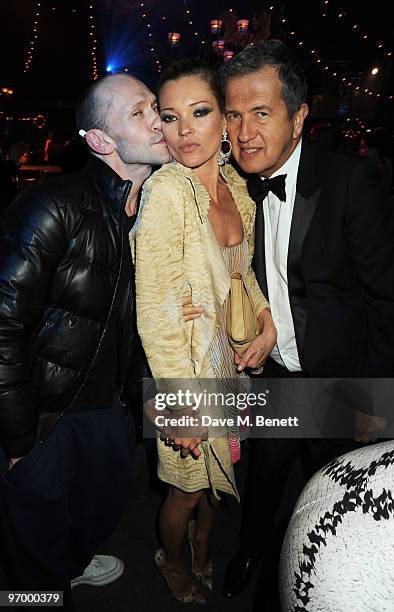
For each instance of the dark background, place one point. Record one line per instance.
(61, 65)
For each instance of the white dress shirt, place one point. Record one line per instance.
(277, 223)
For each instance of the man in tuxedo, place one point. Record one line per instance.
(324, 256)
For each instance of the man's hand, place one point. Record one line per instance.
(191, 311)
(367, 427)
(260, 349)
(13, 460)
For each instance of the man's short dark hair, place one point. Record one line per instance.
(272, 53)
(91, 110)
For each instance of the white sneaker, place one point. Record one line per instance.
(102, 570)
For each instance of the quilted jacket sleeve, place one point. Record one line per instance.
(32, 239)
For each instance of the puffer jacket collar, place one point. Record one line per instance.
(113, 188)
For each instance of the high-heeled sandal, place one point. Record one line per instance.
(205, 577)
(190, 594)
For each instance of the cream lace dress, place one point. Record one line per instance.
(214, 468)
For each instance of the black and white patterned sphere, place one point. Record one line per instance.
(338, 553)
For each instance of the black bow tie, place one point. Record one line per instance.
(258, 188)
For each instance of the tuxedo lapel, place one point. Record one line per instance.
(258, 262)
(304, 209)
(307, 197)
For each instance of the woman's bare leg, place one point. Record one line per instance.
(205, 514)
(175, 514)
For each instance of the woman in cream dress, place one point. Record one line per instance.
(195, 228)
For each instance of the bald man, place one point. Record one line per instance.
(67, 346)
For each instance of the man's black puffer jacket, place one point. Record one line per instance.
(62, 248)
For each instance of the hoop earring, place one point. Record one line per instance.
(225, 149)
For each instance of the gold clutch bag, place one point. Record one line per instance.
(241, 322)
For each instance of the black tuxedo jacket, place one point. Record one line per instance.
(340, 266)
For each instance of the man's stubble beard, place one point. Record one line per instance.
(145, 155)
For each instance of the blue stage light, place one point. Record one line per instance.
(121, 47)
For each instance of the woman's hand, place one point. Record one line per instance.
(258, 352)
(185, 445)
(183, 437)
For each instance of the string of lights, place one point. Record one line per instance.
(316, 58)
(174, 38)
(354, 127)
(146, 20)
(93, 42)
(344, 17)
(190, 24)
(157, 50)
(345, 81)
(34, 38)
(39, 120)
